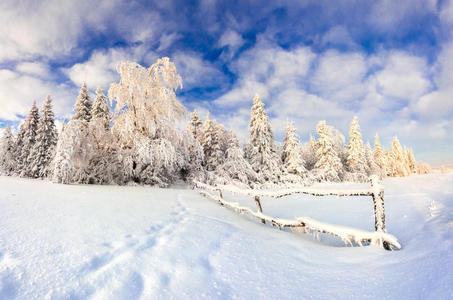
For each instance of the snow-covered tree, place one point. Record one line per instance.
(397, 160)
(210, 141)
(291, 152)
(411, 161)
(7, 151)
(146, 118)
(100, 110)
(263, 151)
(380, 157)
(43, 150)
(75, 148)
(82, 108)
(235, 168)
(309, 153)
(372, 168)
(356, 161)
(25, 141)
(423, 168)
(328, 165)
(195, 125)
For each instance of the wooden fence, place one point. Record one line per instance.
(349, 235)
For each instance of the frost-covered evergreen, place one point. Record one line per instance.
(7, 150)
(210, 141)
(43, 150)
(195, 125)
(309, 153)
(291, 152)
(372, 167)
(75, 148)
(100, 110)
(411, 161)
(380, 157)
(398, 166)
(263, 153)
(356, 161)
(328, 165)
(25, 141)
(235, 168)
(76, 144)
(82, 108)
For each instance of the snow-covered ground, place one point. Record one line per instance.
(109, 242)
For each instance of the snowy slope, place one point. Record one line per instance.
(107, 242)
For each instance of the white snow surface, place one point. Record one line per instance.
(109, 242)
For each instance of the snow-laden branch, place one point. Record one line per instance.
(347, 234)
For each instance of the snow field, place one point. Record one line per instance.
(110, 242)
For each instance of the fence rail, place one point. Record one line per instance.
(348, 235)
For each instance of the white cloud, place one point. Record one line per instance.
(38, 69)
(197, 72)
(45, 28)
(99, 69)
(18, 91)
(338, 36)
(339, 76)
(265, 70)
(404, 76)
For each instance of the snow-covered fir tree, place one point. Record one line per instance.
(210, 141)
(372, 168)
(43, 150)
(263, 153)
(105, 164)
(356, 161)
(380, 157)
(411, 161)
(309, 153)
(100, 110)
(76, 144)
(398, 166)
(195, 125)
(82, 108)
(7, 150)
(74, 150)
(235, 168)
(25, 141)
(291, 152)
(328, 165)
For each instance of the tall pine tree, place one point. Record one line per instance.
(82, 108)
(195, 125)
(398, 166)
(379, 156)
(291, 152)
(356, 160)
(25, 141)
(46, 140)
(100, 110)
(7, 149)
(328, 165)
(263, 151)
(210, 141)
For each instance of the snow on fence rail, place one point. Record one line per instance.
(347, 234)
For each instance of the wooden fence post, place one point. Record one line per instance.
(379, 212)
(260, 209)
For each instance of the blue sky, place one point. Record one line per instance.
(388, 62)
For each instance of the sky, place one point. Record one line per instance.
(388, 62)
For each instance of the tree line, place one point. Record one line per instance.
(140, 142)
